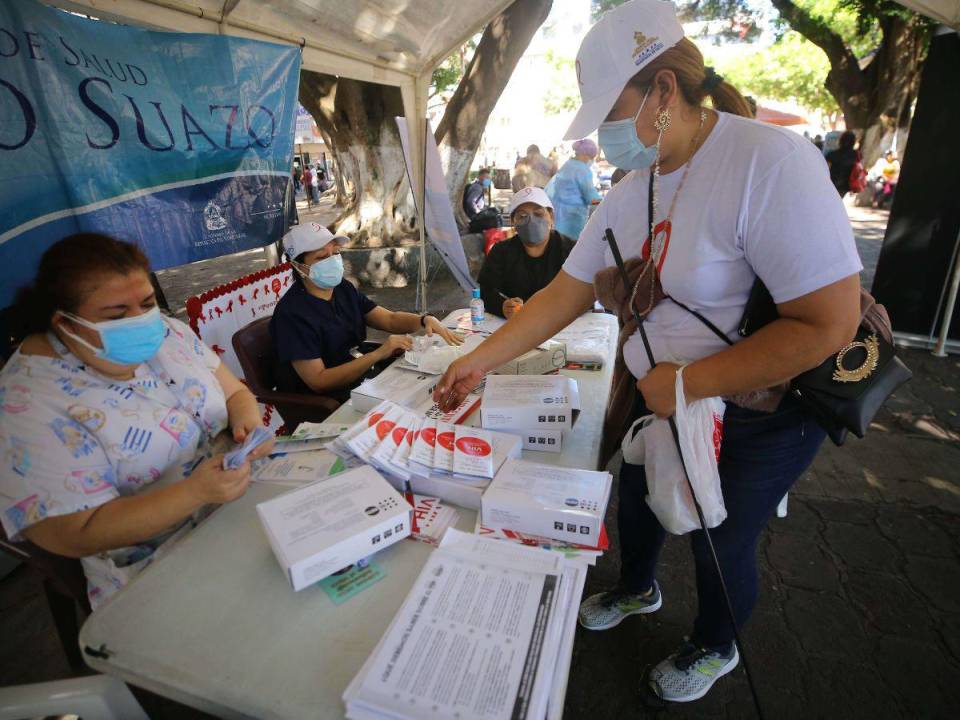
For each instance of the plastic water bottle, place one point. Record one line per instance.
(476, 308)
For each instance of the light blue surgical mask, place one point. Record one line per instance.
(622, 147)
(486, 182)
(326, 273)
(126, 341)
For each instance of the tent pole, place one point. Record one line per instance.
(422, 223)
(940, 349)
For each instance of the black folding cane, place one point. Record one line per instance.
(614, 248)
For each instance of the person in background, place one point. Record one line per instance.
(323, 317)
(297, 175)
(841, 162)
(818, 141)
(572, 190)
(308, 184)
(110, 410)
(644, 87)
(519, 267)
(532, 170)
(475, 194)
(886, 174)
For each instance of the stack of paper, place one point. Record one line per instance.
(553, 502)
(570, 550)
(425, 455)
(431, 518)
(454, 651)
(298, 468)
(587, 341)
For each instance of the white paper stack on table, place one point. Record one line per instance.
(428, 456)
(538, 408)
(586, 340)
(453, 652)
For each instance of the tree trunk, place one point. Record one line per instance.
(358, 118)
(875, 98)
(503, 43)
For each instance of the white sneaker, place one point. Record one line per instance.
(690, 672)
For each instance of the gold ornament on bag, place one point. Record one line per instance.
(872, 347)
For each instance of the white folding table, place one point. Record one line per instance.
(213, 623)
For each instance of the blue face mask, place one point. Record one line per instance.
(127, 341)
(327, 273)
(622, 147)
(486, 182)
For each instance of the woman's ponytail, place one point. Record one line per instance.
(726, 98)
(695, 80)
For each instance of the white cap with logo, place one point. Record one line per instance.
(622, 42)
(309, 236)
(533, 195)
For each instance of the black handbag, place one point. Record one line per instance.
(845, 392)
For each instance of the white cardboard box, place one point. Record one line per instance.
(403, 387)
(529, 402)
(327, 525)
(555, 502)
(547, 358)
(540, 440)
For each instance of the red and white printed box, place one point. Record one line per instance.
(472, 453)
(420, 460)
(443, 451)
(467, 492)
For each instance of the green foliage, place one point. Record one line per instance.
(562, 92)
(791, 69)
(447, 75)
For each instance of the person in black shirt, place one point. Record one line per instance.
(841, 162)
(323, 317)
(517, 268)
(474, 194)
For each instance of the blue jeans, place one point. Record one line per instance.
(762, 455)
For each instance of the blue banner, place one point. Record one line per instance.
(180, 142)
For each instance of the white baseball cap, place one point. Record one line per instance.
(533, 195)
(622, 43)
(309, 236)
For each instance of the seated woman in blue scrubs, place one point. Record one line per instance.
(323, 316)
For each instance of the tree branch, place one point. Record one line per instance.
(843, 62)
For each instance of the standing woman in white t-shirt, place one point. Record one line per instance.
(734, 200)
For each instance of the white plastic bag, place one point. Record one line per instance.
(700, 426)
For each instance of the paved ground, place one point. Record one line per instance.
(859, 613)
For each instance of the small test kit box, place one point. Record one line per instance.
(529, 402)
(403, 387)
(541, 360)
(546, 500)
(328, 525)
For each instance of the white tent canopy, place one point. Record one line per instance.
(391, 42)
(944, 11)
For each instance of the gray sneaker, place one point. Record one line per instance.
(690, 672)
(608, 609)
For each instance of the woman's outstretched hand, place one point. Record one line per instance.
(461, 377)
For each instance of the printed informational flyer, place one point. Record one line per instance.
(299, 468)
(475, 639)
